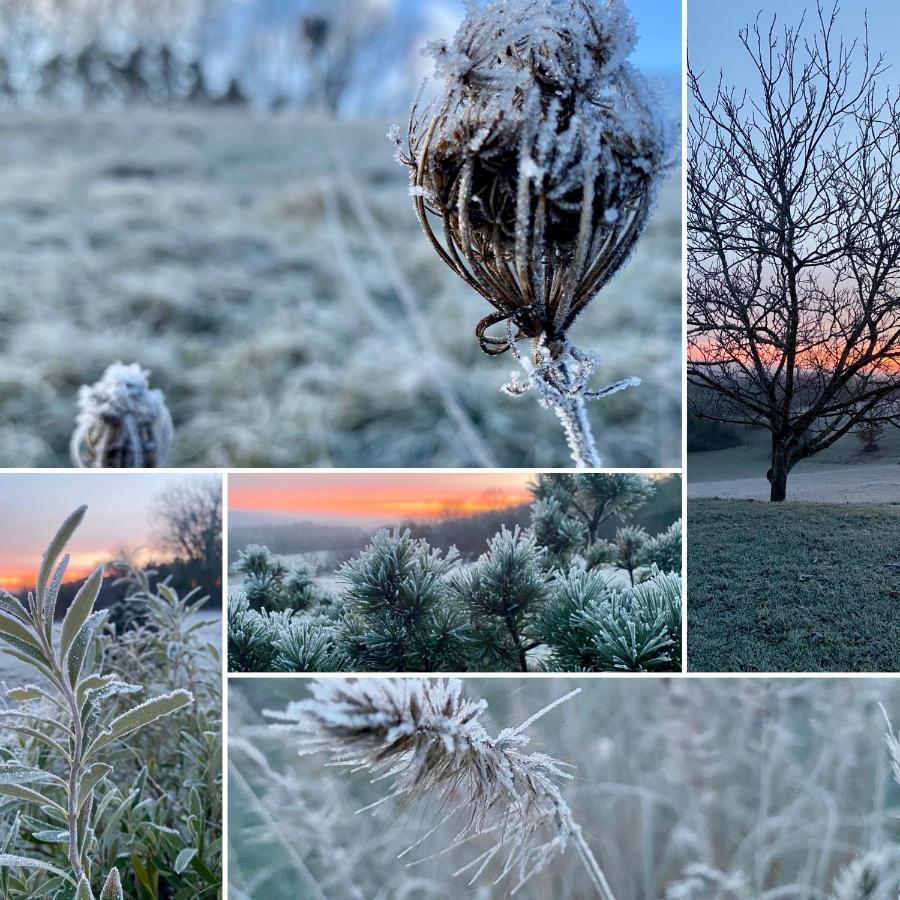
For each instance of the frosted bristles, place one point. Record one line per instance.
(122, 423)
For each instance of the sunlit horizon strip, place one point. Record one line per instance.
(379, 496)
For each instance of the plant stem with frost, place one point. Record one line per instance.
(426, 738)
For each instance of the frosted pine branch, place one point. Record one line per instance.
(425, 738)
(122, 423)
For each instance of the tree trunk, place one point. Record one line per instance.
(778, 474)
(519, 651)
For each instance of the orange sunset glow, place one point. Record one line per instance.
(379, 497)
(34, 505)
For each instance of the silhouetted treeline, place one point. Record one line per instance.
(470, 534)
(184, 576)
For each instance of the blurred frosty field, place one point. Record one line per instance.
(258, 265)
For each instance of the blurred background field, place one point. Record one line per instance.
(693, 789)
(206, 189)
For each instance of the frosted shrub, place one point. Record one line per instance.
(271, 584)
(501, 593)
(540, 160)
(426, 740)
(587, 626)
(122, 423)
(409, 608)
(75, 734)
(399, 617)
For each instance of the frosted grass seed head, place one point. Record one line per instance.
(122, 423)
(541, 160)
(426, 738)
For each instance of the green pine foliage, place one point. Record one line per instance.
(502, 592)
(664, 550)
(269, 584)
(401, 617)
(542, 597)
(589, 501)
(591, 627)
(252, 636)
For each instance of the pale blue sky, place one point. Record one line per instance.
(713, 27)
(33, 506)
(659, 28)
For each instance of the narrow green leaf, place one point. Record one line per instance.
(29, 796)
(16, 773)
(79, 648)
(90, 683)
(23, 694)
(84, 891)
(183, 860)
(23, 862)
(167, 593)
(53, 594)
(66, 530)
(139, 716)
(78, 612)
(14, 628)
(11, 605)
(52, 836)
(112, 889)
(27, 654)
(91, 778)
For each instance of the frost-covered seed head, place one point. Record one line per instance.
(427, 738)
(542, 157)
(122, 423)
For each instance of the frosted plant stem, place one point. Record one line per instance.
(573, 416)
(590, 863)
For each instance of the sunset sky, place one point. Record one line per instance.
(32, 507)
(376, 498)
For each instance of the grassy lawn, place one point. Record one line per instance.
(752, 458)
(802, 587)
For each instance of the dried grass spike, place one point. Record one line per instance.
(424, 736)
(122, 423)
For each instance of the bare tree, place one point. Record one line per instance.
(188, 518)
(794, 243)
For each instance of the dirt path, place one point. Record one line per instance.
(836, 484)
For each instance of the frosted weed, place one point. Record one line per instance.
(541, 160)
(427, 739)
(122, 423)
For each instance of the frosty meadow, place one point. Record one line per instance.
(242, 214)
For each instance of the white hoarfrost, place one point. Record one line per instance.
(543, 156)
(122, 423)
(427, 739)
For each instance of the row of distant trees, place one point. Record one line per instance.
(305, 53)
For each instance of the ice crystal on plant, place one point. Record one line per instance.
(122, 423)
(426, 737)
(542, 158)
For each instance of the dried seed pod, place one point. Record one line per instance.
(541, 158)
(122, 423)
